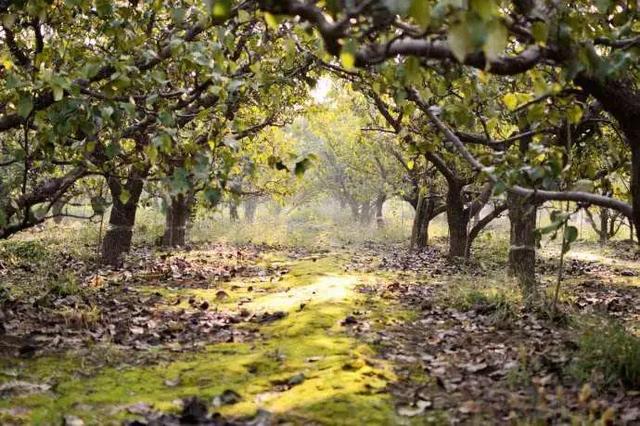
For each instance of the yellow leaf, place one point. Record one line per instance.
(585, 393)
(348, 60)
(271, 20)
(348, 55)
(6, 62)
(574, 114)
(510, 100)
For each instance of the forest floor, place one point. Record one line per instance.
(253, 334)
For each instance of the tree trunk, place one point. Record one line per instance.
(457, 218)
(426, 210)
(635, 187)
(604, 226)
(250, 206)
(365, 213)
(176, 221)
(420, 229)
(233, 212)
(522, 252)
(57, 208)
(117, 239)
(379, 205)
(355, 210)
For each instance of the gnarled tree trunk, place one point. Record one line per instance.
(635, 186)
(365, 213)
(604, 226)
(117, 239)
(522, 251)
(420, 229)
(355, 210)
(176, 218)
(379, 204)
(457, 219)
(56, 209)
(250, 206)
(233, 212)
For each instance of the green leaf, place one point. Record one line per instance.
(166, 118)
(178, 14)
(243, 16)
(570, 234)
(99, 205)
(25, 106)
(574, 114)
(486, 9)
(459, 41)
(302, 166)
(413, 71)
(221, 9)
(411, 164)
(603, 5)
(397, 7)
(272, 21)
(420, 10)
(125, 196)
(212, 195)
(8, 20)
(180, 181)
(540, 32)
(58, 93)
(496, 41)
(499, 188)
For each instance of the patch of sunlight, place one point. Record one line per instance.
(323, 290)
(339, 379)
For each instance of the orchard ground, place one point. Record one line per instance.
(303, 317)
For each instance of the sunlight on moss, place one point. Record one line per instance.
(306, 368)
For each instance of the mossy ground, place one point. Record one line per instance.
(342, 376)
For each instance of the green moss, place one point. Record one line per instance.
(341, 375)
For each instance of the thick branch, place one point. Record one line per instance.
(534, 194)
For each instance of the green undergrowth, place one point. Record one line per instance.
(497, 296)
(304, 368)
(608, 354)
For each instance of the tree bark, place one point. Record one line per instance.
(604, 226)
(56, 209)
(233, 212)
(176, 218)
(379, 204)
(420, 229)
(635, 186)
(250, 206)
(458, 219)
(117, 239)
(365, 213)
(355, 210)
(522, 251)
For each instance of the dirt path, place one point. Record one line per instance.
(263, 337)
(301, 362)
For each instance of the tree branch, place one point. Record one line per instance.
(534, 194)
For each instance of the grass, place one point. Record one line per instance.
(498, 296)
(309, 227)
(607, 353)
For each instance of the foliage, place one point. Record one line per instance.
(607, 352)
